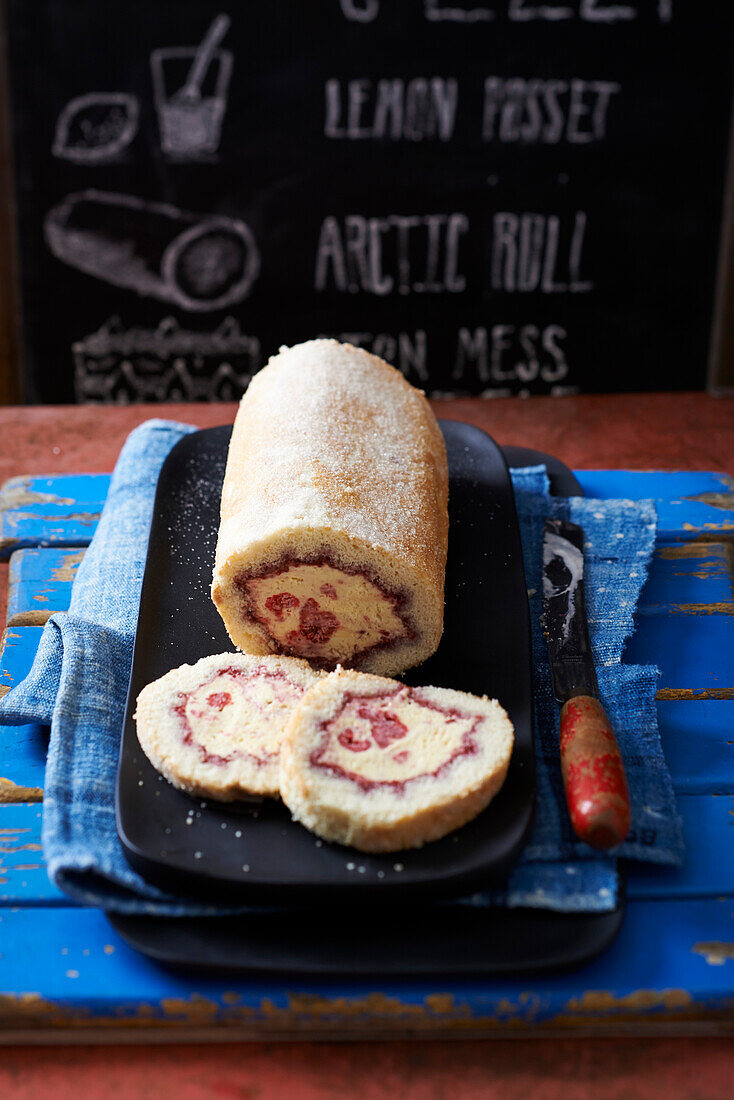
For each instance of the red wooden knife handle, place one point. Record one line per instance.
(593, 774)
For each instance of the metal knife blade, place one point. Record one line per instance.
(564, 611)
(594, 780)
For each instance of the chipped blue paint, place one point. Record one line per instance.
(19, 528)
(43, 565)
(703, 579)
(87, 491)
(22, 748)
(59, 511)
(84, 967)
(19, 649)
(23, 878)
(34, 587)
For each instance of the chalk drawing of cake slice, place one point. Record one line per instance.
(193, 261)
(116, 365)
(96, 128)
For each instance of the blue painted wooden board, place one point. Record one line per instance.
(47, 511)
(674, 960)
(665, 968)
(23, 878)
(39, 583)
(708, 866)
(698, 741)
(691, 575)
(691, 651)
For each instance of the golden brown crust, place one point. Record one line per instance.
(333, 450)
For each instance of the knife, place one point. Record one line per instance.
(593, 773)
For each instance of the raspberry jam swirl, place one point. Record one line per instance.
(322, 612)
(237, 714)
(392, 739)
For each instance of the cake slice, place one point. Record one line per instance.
(215, 728)
(334, 525)
(379, 766)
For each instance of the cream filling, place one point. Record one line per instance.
(392, 738)
(319, 611)
(228, 714)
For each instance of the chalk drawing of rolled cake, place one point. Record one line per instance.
(196, 262)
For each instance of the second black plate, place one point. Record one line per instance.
(228, 852)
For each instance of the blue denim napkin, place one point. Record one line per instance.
(79, 679)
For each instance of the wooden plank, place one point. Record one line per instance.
(688, 575)
(698, 742)
(708, 865)
(45, 525)
(693, 652)
(23, 878)
(84, 491)
(40, 583)
(17, 650)
(23, 751)
(34, 602)
(22, 748)
(45, 564)
(61, 511)
(665, 485)
(70, 969)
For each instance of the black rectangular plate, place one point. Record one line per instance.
(485, 649)
(459, 941)
(434, 941)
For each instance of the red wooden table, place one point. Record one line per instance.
(660, 431)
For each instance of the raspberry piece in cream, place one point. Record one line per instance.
(386, 727)
(279, 604)
(379, 766)
(219, 699)
(316, 625)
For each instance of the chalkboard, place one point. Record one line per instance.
(500, 197)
